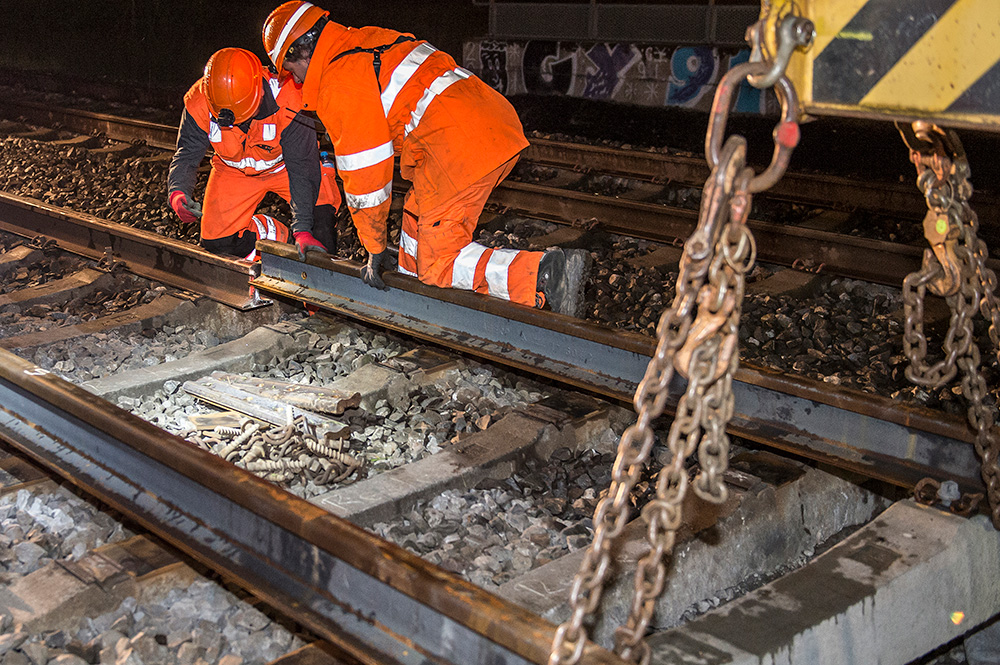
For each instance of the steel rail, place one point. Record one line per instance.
(173, 262)
(865, 433)
(189, 267)
(87, 122)
(849, 256)
(373, 599)
(889, 198)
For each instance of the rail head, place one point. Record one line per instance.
(373, 599)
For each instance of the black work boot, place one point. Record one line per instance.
(562, 276)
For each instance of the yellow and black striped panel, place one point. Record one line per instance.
(902, 59)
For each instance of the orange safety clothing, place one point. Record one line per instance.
(257, 150)
(250, 159)
(436, 246)
(449, 128)
(231, 198)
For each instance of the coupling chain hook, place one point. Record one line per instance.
(698, 336)
(955, 268)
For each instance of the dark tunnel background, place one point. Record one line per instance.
(164, 44)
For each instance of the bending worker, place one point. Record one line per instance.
(380, 93)
(262, 143)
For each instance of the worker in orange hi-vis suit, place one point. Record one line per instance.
(380, 93)
(252, 120)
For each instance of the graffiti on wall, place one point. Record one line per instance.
(683, 76)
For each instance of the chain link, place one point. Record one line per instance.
(955, 267)
(697, 335)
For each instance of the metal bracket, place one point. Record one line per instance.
(43, 243)
(794, 32)
(109, 264)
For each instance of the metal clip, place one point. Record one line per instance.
(108, 263)
(942, 236)
(807, 266)
(786, 132)
(42, 242)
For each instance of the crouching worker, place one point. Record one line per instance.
(381, 93)
(252, 121)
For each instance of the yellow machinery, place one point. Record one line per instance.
(896, 59)
(931, 66)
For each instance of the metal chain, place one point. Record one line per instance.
(703, 412)
(989, 305)
(955, 268)
(698, 336)
(959, 338)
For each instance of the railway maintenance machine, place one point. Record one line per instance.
(930, 66)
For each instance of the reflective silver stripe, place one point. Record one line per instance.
(370, 200)
(272, 231)
(439, 85)
(256, 164)
(260, 226)
(406, 272)
(269, 131)
(286, 30)
(365, 158)
(463, 272)
(214, 132)
(496, 272)
(275, 86)
(403, 72)
(408, 244)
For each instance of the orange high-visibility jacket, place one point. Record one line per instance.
(448, 127)
(259, 149)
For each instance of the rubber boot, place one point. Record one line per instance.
(562, 276)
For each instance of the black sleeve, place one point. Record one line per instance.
(300, 148)
(192, 144)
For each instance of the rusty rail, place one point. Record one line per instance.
(889, 198)
(173, 262)
(859, 258)
(374, 600)
(866, 433)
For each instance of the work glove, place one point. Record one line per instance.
(305, 242)
(371, 274)
(188, 211)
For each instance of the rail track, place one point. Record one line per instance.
(829, 241)
(248, 526)
(760, 484)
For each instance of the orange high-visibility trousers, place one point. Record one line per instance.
(436, 246)
(231, 198)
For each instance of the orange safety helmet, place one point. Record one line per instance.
(287, 23)
(233, 85)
